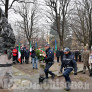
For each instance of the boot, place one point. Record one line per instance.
(68, 84)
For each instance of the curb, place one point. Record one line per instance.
(61, 75)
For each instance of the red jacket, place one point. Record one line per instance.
(15, 52)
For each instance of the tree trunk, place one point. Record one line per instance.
(60, 37)
(29, 42)
(90, 31)
(63, 25)
(58, 28)
(6, 8)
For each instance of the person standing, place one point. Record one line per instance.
(79, 56)
(34, 59)
(27, 53)
(15, 54)
(24, 48)
(61, 54)
(17, 47)
(76, 55)
(68, 63)
(58, 55)
(22, 55)
(85, 59)
(49, 59)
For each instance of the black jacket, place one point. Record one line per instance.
(68, 61)
(49, 55)
(22, 52)
(57, 53)
(27, 53)
(33, 54)
(61, 54)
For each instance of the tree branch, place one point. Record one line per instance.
(2, 2)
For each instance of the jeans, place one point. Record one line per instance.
(35, 62)
(66, 73)
(46, 70)
(26, 60)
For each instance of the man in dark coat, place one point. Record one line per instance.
(61, 54)
(58, 55)
(22, 55)
(34, 59)
(27, 53)
(76, 55)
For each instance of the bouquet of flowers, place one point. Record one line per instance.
(40, 54)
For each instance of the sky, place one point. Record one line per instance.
(14, 17)
(42, 20)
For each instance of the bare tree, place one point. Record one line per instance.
(29, 19)
(5, 3)
(59, 13)
(82, 22)
(8, 6)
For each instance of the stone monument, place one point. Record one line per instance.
(7, 40)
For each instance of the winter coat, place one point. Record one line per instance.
(15, 52)
(49, 56)
(61, 54)
(85, 57)
(57, 53)
(22, 52)
(33, 54)
(26, 53)
(69, 62)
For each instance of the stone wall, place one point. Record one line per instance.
(7, 38)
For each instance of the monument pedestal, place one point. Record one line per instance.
(6, 80)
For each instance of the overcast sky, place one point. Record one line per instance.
(13, 17)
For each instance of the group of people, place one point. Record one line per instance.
(77, 54)
(68, 62)
(25, 54)
(87, 60)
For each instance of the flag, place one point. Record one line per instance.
(55, 45)
(19, 54)
(30, 47)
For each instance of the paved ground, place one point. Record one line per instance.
(25, 78)
(81, 83)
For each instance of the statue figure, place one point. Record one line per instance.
(7, 41)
